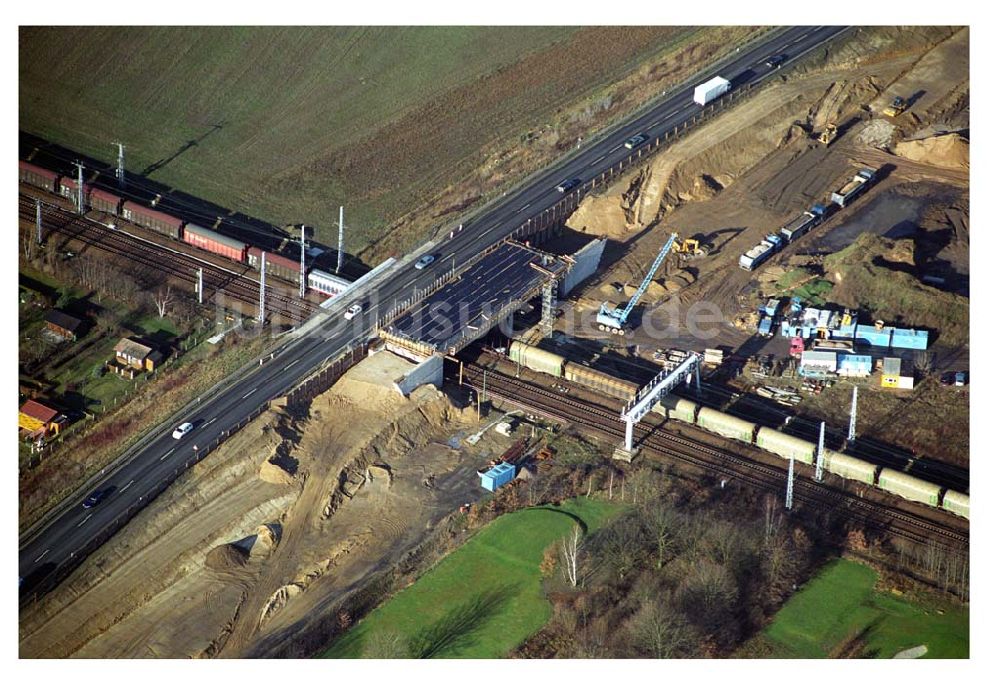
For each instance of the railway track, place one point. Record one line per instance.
(606, 422)
(175, 264)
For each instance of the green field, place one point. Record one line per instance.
(484, 599)
(286, 123)
(840, 604)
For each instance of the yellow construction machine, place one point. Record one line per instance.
(828, 134)
(895, 108)
(688, 248)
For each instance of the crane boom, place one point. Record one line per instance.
(616, 319)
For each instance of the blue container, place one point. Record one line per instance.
(867, 335)
(497, 476)
(914, 339)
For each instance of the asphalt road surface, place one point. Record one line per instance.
(74, 526)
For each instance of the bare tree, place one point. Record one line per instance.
(772, 518)
(570, 548)
(28, 244)
(657, 632)
(164, 297)
(659, 524)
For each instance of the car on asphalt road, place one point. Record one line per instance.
(776, 61)
(182, 430)
(636, 140)
(424, 261)
(353, 311)
(568, 185)
(959, 378)
(97, 497)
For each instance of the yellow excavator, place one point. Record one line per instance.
(828, 134)
(688, 248)
(895, 108)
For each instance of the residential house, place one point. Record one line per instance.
(63, 325)
(38, 419)
(137, 355)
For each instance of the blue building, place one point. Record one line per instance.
(497, 476)
(867, 335)
(854, 366)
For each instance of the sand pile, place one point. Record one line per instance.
(271, 471)
(226, 557)
(948, 150)
(600, 216)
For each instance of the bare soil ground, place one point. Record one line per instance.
(281, 522)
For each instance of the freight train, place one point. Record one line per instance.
(773, 441)
(201, 237)
(812, 217)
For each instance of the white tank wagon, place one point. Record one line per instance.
(726, 425)
(537, 359)
(676, 408)
(785, 445)
(909, 487)
(849, 467)
(956, 502)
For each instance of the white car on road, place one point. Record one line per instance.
(182, 430)
(353, 311)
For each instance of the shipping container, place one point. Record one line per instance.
(37, 176)
(277, 265)
(909, 487)
(497, 476)
(956, 502)
(713, 89)
(536, 359)
(599, 381)
(676, 408)
(849, 467)
(913, 339)
(867, 335)
(68, 189)
(104, 201)
(785, 445)
(152, 219)
(726, 425)
(211, 241)
(326, 283)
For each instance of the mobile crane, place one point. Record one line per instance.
(615, 320)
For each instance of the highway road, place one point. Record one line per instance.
(73, 526)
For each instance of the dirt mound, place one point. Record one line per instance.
(841, 99)
(267, 538)
(947, 150)
(226, 557)
(272, 472)
(601, 217)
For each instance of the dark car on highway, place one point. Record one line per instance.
(568, 185)
(636, 140)
(776, 61)
(97, 497)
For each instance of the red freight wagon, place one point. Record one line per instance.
(36, 176)
(209, 240)
(104, 201)
(152, 219)
(277, 265)
(68, 187)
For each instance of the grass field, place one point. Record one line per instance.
(286, 123)
(484, 599)
(840, 605)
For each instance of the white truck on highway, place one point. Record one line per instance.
(711, 90)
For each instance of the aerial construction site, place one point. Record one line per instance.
(661, 349)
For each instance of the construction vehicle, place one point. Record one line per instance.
(689, 248)
(895, 108)
(828, 134)
(615, 320)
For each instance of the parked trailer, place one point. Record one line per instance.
(599, 381)
(103, 201)
(956, 502)
(849, 467)
(152, 219)
(537, 359)
(211, 241)
(36, 176)
(713, 89)
(803, 224)
(909, 487)
(785, 445)
(326, 283)
(756, 256)
(853, 188)
(676, 408)
(726, 425)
